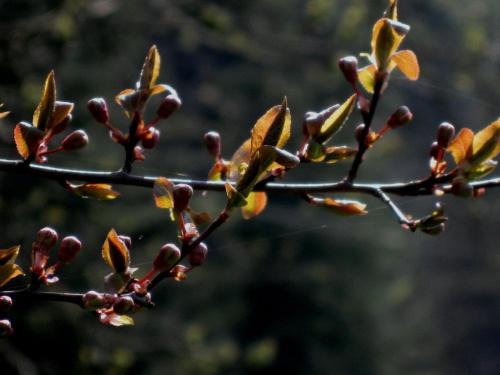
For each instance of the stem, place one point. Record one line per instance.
(131, 143)
(367, 118)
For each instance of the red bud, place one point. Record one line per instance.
(212, 143)
(98, 109)
(349, 67)
(198, 255)
(168, 106)
(5, 329)
(63, 125)
(5, 304)
(70, 246)
(125, 305)
(182, 194)
(446, 132)
(166, 258)
(93, 301)
(402, 116)
(150, 139)
(76, 140)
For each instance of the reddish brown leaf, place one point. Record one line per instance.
(115, 253)
(256, 202)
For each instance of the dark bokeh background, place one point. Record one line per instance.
(295, 290)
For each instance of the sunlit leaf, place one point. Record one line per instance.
(216, 173)
(341, 207)
(150, 69)
(27, 138)
(387, 36)
(162, 191)
(407, 62)
(257, 201)
(367, 78)
(461, 146)
(486, 143)
(128, 100)
(315, 151)
(273, 128)
(482, 170)
(3, 114)
(333, 123)
(8, 272)
(94, 191)
(115, 253)
(261, 161)
(121, 320)
(392, 11)
(8, 256)
(43, 113)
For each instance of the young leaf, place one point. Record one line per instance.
(333, 123)
(234, 198)
(392, 11)
(115, 253)
(340, 207)
(461, 146)
(8, 256)
(486, 143)
(27, 138)
(61, 110)
(387, 36)
(119, 320)
(198, 218)
(43, 113)
(257, 201)
(157, 89)
(241, 156)
(273, 128)
(3, 114)
(8, 272)
(261, 162)
(150, 70)
(367, 78)
(94, 191)
(334, 154)
(162, 191)
(407, 62)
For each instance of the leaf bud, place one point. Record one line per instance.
(349, 67)
(5, 304)
(5, 329)
(402, 116)
(125, 305)
(75, 141)
(150, 139)
(168, 106)
(446, 132)
(462, 188)
(313, 122)
(213, 143)
(434, 150)
(70, 246)
(63, 125)
(127, 241)
(93, 301)
(182, 194)
(198, 255)
(46, 239)
(98, 109)
(169, 255)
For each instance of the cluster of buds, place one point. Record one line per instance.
(434, 223)
(111, 308)
(349, 68)
(45, 241)
(445, 134)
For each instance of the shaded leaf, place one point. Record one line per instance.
(8, 256)
(461, 146)
(198, 218)
(128, 100)
(334, 154)
(367, 78)
(482, 170)
(407, 62)
(234, 198)
(8, 272)
(115, 253)
(61, 110)
(241, 156)
(256, 202)
(333, 123)
(94, 191)
(43, 113)
(27, 138)
(273, 128)
(261, 161)
(392, 11)
(162, 191)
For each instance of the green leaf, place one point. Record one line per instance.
(115, 253)
(315, 151)
(340, 207)
(163, 190)
(261, 161)
(43, 113)
(367, 78)
(335, 154)
(121, 320)
(94, 191)
(387, 36)
(333, 123)
(8, 256)
(234, 198)
(8, 272)
(27, 138)
(486, 144)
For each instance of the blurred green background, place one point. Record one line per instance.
(294, 290)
